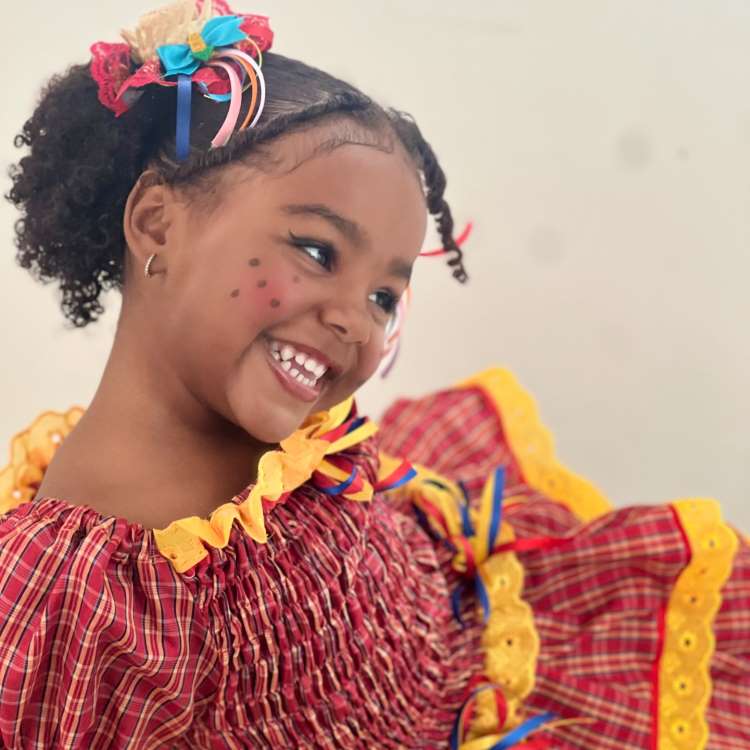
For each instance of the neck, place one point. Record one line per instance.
(145, 428)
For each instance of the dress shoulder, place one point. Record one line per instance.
(93, 621)
(464, 432)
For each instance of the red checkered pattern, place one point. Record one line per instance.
(338, 632)
(597, 599)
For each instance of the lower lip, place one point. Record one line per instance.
(292, 385)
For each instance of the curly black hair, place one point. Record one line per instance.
(72, 186)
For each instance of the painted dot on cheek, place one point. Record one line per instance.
(253, 262)
(275, 303)
(235, 293)
(295, 279)
(262, 283)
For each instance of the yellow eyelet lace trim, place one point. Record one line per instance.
(510, 641)
(533, 446)
(684, 668)
(182, 542)
(31, 451)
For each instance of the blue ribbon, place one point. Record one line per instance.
(339, 488)
(454, 731)
(512, 738)
(404, 479)
(179, 59)
(456, 604)
(355, 423)
(497, 507)
(425, 524)
(522, 731)
(434, 535)
(468, 530)
(484, 599)
(466, 527)
(184, 96)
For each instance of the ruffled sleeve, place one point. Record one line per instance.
(465, 432)
(99, 643)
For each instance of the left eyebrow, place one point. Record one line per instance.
(401, 269)
(350, 229)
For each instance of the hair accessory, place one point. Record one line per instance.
(147, 269)
(191, 42)
(396, 323)
(393, 334)
(459, 241)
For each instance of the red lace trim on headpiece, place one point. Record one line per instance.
(119, 83)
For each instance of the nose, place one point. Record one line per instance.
(350, 322)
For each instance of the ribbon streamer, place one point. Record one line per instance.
(404, 473)
(477, 685)
(459, 241)
(337, 489)
(184, 100)
(260, 89)
(523, 731)
(233, 113)
(490, 518)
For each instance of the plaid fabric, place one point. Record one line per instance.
(335, 634)
(597, 599)
(338, 633)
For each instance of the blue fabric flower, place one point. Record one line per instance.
(185, 59)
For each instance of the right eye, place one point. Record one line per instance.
(322, 253)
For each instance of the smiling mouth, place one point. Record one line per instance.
(301, 373)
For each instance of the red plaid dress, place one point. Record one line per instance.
(632, 626)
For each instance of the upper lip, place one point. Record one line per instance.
(333, 368)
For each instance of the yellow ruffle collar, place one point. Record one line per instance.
(314, 450)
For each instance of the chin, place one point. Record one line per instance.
(264, 420)
(271, 425)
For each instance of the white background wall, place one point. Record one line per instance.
(602, 148)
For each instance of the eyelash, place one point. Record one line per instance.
(304, 245)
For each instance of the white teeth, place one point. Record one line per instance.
(305, 365)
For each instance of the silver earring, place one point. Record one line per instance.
(147, 269)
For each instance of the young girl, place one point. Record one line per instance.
(219, 552)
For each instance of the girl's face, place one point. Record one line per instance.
(274, 304)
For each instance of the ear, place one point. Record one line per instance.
(148, 217)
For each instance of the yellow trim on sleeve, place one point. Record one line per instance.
(533, 446)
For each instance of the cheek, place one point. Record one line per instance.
(267, 295)
(265, 292)
(370, 357)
